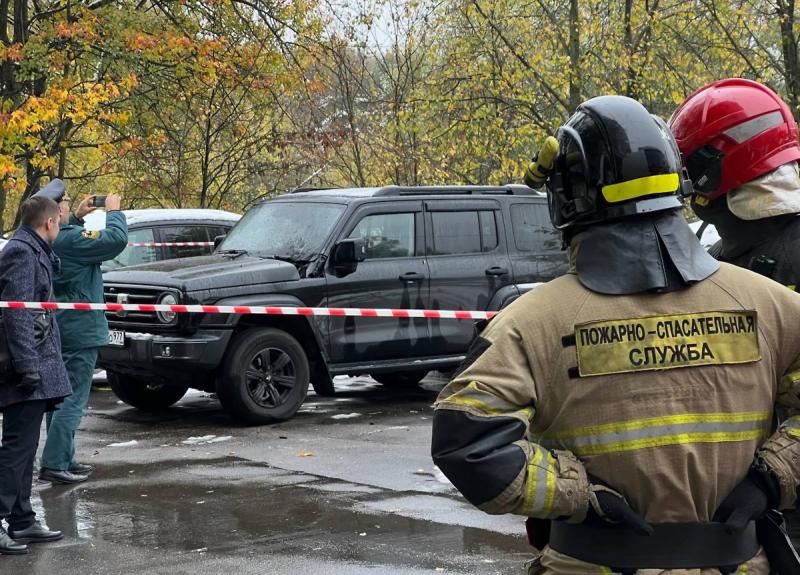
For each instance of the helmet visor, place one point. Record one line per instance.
(705, 170)
(568, 187)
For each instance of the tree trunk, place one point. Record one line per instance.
(62, 148)
(7, 78)
(574, 56)
(786, 18)
(205, 168)
(33, 178)
(630, 76)
(20, 35)
(20, 20)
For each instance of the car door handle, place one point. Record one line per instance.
(412, 277)
(496, 271)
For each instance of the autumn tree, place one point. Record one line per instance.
(55, 86)
(215, 125)
(176, 104)
(220, 103)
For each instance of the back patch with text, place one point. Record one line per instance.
(667, 342)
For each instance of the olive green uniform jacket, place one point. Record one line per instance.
(81, 252)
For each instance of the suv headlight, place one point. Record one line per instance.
(167, 316)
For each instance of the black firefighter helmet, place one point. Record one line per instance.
(615, 160)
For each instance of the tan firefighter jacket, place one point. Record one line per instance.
(665, 397)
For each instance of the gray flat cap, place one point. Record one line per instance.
(55, 190)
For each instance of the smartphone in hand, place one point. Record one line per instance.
(98, 202)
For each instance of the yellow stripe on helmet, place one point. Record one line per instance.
(647, 186)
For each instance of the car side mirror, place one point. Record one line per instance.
(347, 254)
(218, 240)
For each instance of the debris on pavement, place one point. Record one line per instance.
(130, 443)
(346, 416)
(206, 439)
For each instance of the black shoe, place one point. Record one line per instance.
(36, 533)
(10, 547)
(81, 469)
(61, 477)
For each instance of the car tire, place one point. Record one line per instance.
(137, 393)
(400, 378)
(265, 376)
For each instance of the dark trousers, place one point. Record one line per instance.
(21, 425)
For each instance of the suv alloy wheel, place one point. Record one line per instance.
(265, 377)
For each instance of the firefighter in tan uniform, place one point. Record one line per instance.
(631, 401)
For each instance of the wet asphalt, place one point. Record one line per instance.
(345, 487)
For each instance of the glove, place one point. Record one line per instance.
(750, 499)
(607, 505)
(28, 383)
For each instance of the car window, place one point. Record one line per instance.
(214, 231)
(488, 231)
(386, 235)
(134, 255)
(466, 232)
(186, 233)
(533, 231)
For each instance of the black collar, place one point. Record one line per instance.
(43, 245)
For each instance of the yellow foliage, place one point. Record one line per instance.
(455, 91)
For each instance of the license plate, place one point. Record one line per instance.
(116, 338)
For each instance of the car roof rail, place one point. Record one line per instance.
(508, 189)
(307, 189)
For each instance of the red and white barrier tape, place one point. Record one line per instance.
(255, 310)
(170, 244)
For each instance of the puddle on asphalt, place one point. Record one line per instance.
(236, 507)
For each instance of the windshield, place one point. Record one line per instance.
(294, 230)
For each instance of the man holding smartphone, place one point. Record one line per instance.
(82, 332)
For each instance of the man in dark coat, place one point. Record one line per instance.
(27, 267)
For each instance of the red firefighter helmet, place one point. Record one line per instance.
(731, 132)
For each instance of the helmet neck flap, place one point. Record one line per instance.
(658, 253)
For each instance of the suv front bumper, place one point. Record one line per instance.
(146, 353)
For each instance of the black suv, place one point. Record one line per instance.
(449, 248)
